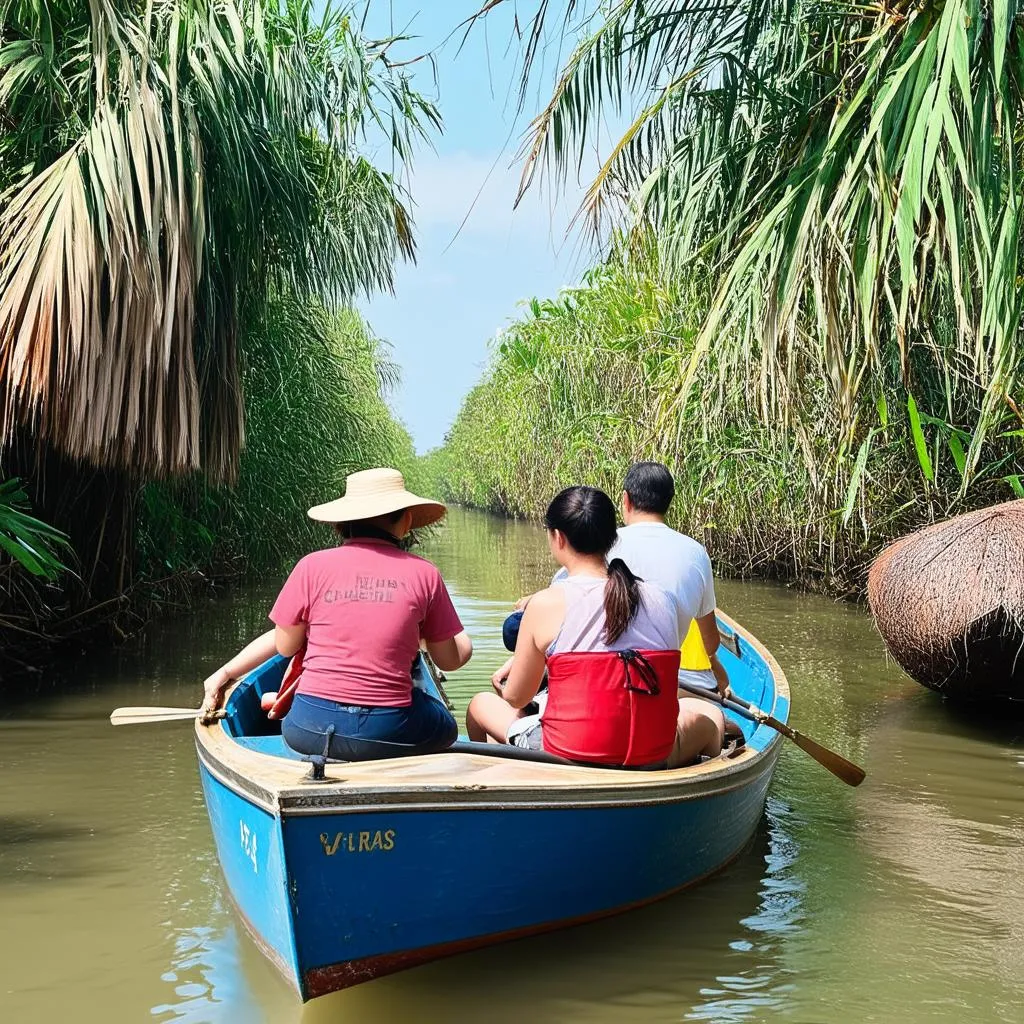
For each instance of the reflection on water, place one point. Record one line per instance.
(898, 901)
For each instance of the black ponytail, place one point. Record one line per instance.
(622, 600)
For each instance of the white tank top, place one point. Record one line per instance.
(655, 627)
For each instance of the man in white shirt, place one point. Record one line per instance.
(660, 555)
(676, 563)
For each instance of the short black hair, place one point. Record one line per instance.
(650, 487)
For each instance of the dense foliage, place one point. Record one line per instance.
(316, 386)
(191, 194)
(166, 168)
(813, 308)
(581, 386)
(840, 183)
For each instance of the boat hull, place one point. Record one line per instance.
(443, 883)
(251, 854)
(387, 865)
(335, 899)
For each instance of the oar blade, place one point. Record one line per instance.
(141, 715)
(847, 771)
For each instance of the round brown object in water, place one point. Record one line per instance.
(949, 603)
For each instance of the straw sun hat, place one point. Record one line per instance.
(375, 492)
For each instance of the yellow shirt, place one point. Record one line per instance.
(694, 657)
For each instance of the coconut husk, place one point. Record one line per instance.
(948, 601)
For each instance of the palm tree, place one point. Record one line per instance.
(838, 183)
(166, 167)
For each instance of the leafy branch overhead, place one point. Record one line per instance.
(840, 182)
(166, 169)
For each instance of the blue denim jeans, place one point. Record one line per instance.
(426, 726)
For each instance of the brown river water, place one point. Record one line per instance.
(900, 901)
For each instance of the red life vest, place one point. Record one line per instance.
(617, 708)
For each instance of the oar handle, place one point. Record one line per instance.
(143, 715)
(732, 703)
(755, 714)
(839, 766)
(736, 698)
(739, 706)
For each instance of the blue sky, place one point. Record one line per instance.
(467, 283)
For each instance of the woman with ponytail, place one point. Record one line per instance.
(610, 644)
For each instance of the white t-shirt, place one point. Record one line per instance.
(670, 560)
(678, 564)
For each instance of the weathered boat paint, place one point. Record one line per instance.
(392, 864)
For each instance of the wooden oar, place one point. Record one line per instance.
(842, 769)
(504, 750)
(139, 716)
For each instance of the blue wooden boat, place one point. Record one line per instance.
(389, 864)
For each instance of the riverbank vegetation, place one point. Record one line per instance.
(809, 297)
(581, 386)
(316, 385)
(186, 210)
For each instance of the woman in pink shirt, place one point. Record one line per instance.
(361, 610)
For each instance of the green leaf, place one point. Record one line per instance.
(1015, 484)
(883, 410)
(920, 444)
(1000, 34)
(28, 541)
(855, 477)
(23, 555)
(957, 451)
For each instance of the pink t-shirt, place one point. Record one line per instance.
(366, 605)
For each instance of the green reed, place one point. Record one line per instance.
(581, 386)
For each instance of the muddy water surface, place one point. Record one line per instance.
(900, 901)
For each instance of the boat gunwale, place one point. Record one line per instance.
(552, 786)
(334, 800)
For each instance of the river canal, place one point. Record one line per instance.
(900, 901)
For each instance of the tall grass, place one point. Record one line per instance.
(316, 384)
(842, 179)
(828, 346)
(581, 386)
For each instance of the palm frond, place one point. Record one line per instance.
(166, 168)
(840, 183)
(30, 543)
